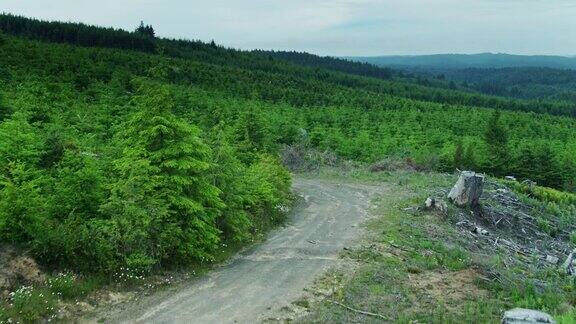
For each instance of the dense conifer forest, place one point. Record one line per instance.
(549, 78)
(522, 82)
(119, 149)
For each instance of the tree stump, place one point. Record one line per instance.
(467, 190)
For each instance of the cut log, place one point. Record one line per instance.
(467, 190)
(433, 203)
(568, 265)
(526, 316)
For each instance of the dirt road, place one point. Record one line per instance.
(273, 273)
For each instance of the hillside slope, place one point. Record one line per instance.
(550, 78)
(117, 158)
(523, 82)
(278, 67)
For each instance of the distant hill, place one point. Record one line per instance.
(435, 63)
(517, 76)
(518, 82)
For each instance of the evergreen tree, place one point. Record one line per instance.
(496, 138)
(538, 163)
(5, 111)
(145, 30)
(22, 205)
(164, 195)
(470, 157)
(252, 132)
(458, 156)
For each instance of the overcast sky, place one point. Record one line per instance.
(337, 27)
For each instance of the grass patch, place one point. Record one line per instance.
(29, 304)
(417, 266)
(36, 303)
(302, 303)
(68, 286)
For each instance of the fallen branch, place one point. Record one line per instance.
(359, 311)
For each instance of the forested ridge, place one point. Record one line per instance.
(74, 33)
(310, 73)
(545, 78)
(519, 82)
(332, 63)
(113, 157)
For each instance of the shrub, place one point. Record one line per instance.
(163, 204)
(544, 194)
(573, 237)
(269, 186)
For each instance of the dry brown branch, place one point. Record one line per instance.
(359, 311)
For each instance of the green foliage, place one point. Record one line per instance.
(330, 63)
(269, 183)
(459, 156)
(5, 112)
(163, 202)
(538, 163)
(469, 160)
(145, 30)
(31, 304)
(78, 34)
(496, 138)
(22, 205)
(143, 159)
(520, 82)
(544, 194)
(151, 193)
(21, 142)
(252, 134)
(69, 286)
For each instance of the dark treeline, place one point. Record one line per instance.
(74, 33)
(519, 82)
(332, 63)
(324, 70)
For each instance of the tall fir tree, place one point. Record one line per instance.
(145, 30)
(459, 156)
(164, 188)
(470, 156)
(496, 138)
(252, 132)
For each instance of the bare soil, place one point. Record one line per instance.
(447, 286)
(17, 269)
